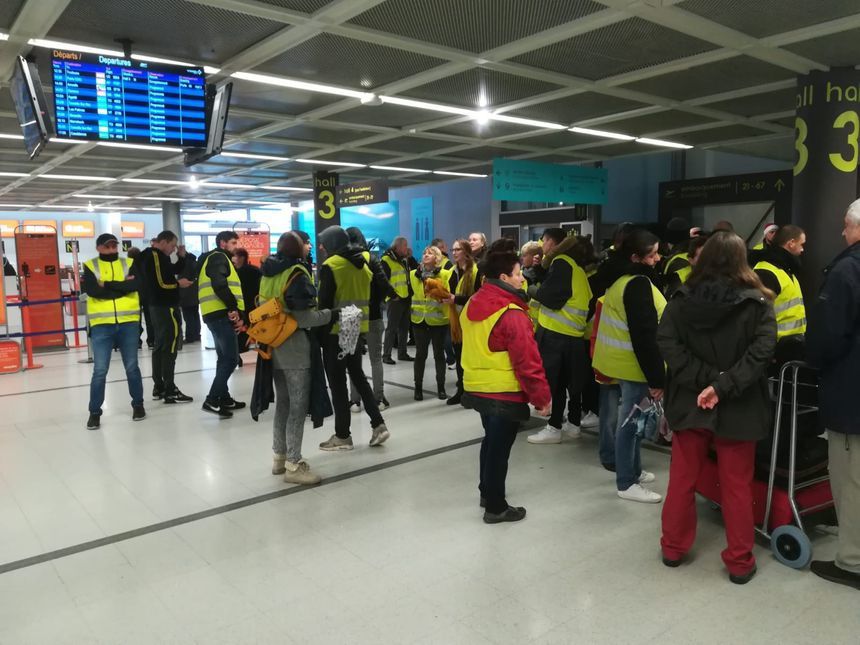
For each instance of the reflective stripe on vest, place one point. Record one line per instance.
(399, 276)
(788, 306)
(209, 300)
(427, 310)
(570, 319)
(484, 370)
(352, 287)
(104, 311)
(613, 352)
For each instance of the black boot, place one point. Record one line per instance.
(419, 392)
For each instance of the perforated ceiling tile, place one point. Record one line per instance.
(305, 6)
(560, 139)
(766, 103)
(392, 116)
(488, 152)
(239, 124)
(472, 25)
(352, 156)
(281, 101)
(270, 147)
(616, 149)
(837, 50)
(713, 78)
(321, 136)
(343, 61)
(781, 149)
(657, 122)
(714, 135)
(766, 17)
(622, 47)
(479, 88)
(577, 107)
(165, 28)
(8, 11)
(412, 144)
(484, 131)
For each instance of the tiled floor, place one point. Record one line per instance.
(396, 555)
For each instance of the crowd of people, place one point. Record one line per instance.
(695, 321)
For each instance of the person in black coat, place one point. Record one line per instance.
(717, 336)
(249, 277)
(188, 300)
(833, 346)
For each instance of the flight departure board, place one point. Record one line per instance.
(101, 98)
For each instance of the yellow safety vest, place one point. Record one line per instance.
(570, 319)
(102, 311)
(209, 300)
(613, 352)
(788, 306)
(274, 286)
(680, 256)
(484, 370)
(399, 276)
(534, 305)
(461, 285)
(758, 247)
(352, 287)
(427, 310)
(684, 274)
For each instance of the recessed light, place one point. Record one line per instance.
(602, 133)
(4, 36)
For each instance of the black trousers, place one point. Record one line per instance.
(397, 326)
(167, 327)
(458, 354)
(564, 361)
(336, 370)
(191, 318)
(499, 436)
(425, 335)
(150, 331)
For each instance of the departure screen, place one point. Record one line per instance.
(101, 98)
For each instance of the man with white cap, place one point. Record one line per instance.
(757, 253)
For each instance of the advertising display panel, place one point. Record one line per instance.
(39, 271)
(256, 243)
(81, 228)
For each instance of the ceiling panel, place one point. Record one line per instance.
(837, 50)
(480, 88)
(622, 47)
(305, 6)
(489, 130)
(657, 122)
(577, 107)
(713, 78)
(767, 17)
(282, 101)
(725, 133)
(473, 25)
(412, 144)
(782, 149)
(8, 11)
(392, 116)
(343, 61)
(166, 28)
(351, 156)
(271, 147)
(619, 149)
(559, 139)
(766, 103)
(322, 136)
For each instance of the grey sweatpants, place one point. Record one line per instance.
(374, 352)
(844, 456)
(292, 395)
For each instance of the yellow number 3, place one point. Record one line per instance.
(800, 145)
(840, 162)
(327, 198)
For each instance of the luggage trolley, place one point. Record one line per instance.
(788, 540)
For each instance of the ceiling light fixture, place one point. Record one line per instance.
(90, 207)
(250, 155)
(286, 188)
(14, 174)
(135, 146)
(193, 183)
(77, 177)
(661, 142)
(4, 36)
(544, 125)
(93, 196)
(166, 199)
(74, 141)
(371, 99)
(63, 207)
(398, 169)
(298, 85)
(216, 184)
(87, 49)
(424, 105)
(16, 206)
(157, 182)
(457, 174)
(11, 136)
(482, 117)
(322, 162)
(602, 133)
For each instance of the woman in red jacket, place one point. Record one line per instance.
(500, 383)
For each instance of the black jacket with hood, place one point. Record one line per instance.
(722, 335)
(557, 285)
(335, 241)
(833, 342)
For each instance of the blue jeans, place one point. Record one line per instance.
(628, 466)
(609, 395)
(227, 349)
(103, 339)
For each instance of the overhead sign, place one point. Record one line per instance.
(8, 226)
(531, 181)
(422, 224)
(126, 245)
(72, 246)
(730, 189)
(326, 211)
(362, 192)
(133, 229)
(83, 228)
(40, 225)
(256, 243)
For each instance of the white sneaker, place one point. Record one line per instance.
(646, 477)
(637, 493)
(590, 420)
(571, 430)
(355, 408)
(547, 435)
(379, 435)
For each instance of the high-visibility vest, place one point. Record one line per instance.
(461, 285)
(684, 274)
(484, 370)
(671, 261)
(399, 276)
(613, 352)
(758, 247)
(209, 300)
(570, 319)
(104, 311)
(274, 286)
(352, 287)
(788, 306)
(534, 305)
(427, 310)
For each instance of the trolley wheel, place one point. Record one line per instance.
(791, 546)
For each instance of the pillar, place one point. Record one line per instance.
(827, 132)
(171, 219)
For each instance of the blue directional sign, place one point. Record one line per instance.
(531, 181)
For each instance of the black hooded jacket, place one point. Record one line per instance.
(722, 335)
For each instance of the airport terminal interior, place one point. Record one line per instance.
(501, 130)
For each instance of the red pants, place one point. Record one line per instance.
(735, 464)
